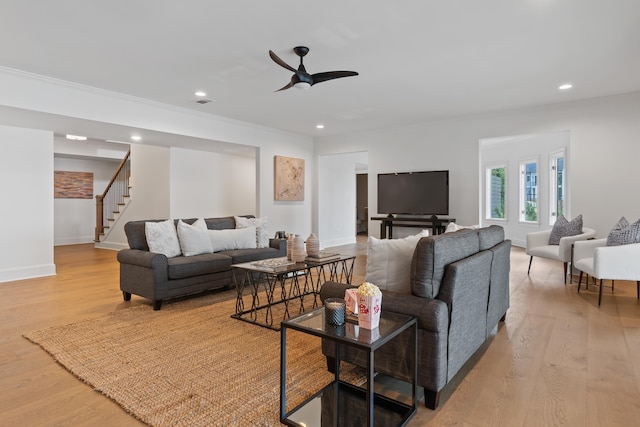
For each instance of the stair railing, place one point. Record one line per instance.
(108, 202)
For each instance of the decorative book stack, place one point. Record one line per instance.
(322, 256)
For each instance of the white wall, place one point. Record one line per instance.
(605, 146)
(26, 213)
(57, 103)
(510, 152)
(211, 184)
(337, 198)
(150, 196)
(75, 219)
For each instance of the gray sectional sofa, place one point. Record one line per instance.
(459, 294)
(158, 278)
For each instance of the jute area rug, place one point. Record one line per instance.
(189, 364)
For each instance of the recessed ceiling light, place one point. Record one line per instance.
(319, 126)
(200, 93)
(77, 137)
(136, 137)
(565, 86)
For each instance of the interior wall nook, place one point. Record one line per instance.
(511, 152)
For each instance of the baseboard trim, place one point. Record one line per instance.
(27, 273)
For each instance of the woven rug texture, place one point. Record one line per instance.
(189, 364)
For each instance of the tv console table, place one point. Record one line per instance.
(437, 225)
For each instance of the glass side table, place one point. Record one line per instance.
(342, 403)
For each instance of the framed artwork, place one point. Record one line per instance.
(289, 179)
(72, 185)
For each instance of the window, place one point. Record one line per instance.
(495, 192)
(529, 191)
(557, 202)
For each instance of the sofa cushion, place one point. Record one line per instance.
(452, 226)
(389, 262)
(239, 256)
(194, 239)
(434, 253)
(237, 238)
(490, 236)
(261, 228)
(563, 228)
(162, 238)
(182, 267)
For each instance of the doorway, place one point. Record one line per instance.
(362, 204)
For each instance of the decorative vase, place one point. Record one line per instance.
(297, 249)
(313, 245)
(289, 245)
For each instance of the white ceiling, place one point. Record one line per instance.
(418, 60)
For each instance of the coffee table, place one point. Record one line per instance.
(340, 403)
(298, 282)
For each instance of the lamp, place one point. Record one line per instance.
(302, 85)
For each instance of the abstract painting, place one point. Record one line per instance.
(289, 179)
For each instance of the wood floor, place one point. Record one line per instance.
(557, 360)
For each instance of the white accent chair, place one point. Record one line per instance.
(603, 262)
(538, 245)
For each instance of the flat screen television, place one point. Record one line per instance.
(414, 193)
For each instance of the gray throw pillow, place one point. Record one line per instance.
(624, 233)
(563, 228)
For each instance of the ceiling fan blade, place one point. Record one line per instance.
(280, 62)
(330, 75)
(287, 86)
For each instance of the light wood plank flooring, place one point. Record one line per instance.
(557, 360)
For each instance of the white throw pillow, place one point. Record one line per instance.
(230, 239)
(162, 238)
(452, 226)
(389, 262)
(194, 240)
(262, 232)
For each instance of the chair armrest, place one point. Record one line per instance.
(564, 249)
(141, 258)
(536, 239)
(584, 248)
(617, 262)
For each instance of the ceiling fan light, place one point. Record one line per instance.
(302, 85)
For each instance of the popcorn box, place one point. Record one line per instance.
(369, 311)
(351, 297)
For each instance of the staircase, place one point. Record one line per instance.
(114, 200)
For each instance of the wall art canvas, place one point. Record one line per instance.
(72, 185)
(289, 179)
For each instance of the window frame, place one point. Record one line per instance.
(522, 191)
(487, 190)
(553, 185)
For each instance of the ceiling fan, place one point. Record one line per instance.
(303, 80)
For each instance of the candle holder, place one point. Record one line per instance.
(335, 310)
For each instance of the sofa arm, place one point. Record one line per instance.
(279, 244)
(142, 258)
(432, 314)
(334, 290)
